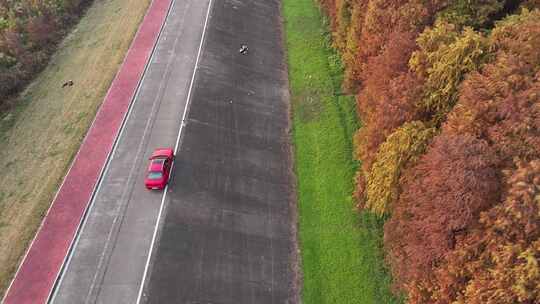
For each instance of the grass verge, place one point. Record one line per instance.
(40, 136)
(341, 252)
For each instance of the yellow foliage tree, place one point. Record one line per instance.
(401, 148)
(343, 21)
(475, 13)
(444, 58)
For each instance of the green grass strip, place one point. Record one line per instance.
(341, 252)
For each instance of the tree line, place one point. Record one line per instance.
(449, 96)
(29, 33)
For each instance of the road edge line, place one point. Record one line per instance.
(73, 162)
(105, 168)
(188, 102)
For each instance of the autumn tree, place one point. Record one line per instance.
(498, 105)
(361, 28)
(29, 32)
(352, 72)
(329, 7)
(343, 22)
(473, 13)
(389, 91)
(530, 4)
(401, 149)
(444, 57)
(498, 262)
(482, 86)
(441, 198)
(501, 102)
(388, 99)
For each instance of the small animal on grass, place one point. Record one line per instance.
(67, 83)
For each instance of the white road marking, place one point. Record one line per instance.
(136, 163)
(188, 101)
(103, 173)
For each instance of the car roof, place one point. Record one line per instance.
(156, 166)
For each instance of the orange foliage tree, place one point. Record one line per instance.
(388, 98)
(442, 196)
(496, 120)
(483, 88)
(501, 103)
(499, 261)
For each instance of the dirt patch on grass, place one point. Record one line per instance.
(40, 135)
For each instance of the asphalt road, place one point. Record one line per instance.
(110, 255)
(224, 235)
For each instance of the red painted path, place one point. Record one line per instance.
(38, 272)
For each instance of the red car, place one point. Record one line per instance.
(159, 169)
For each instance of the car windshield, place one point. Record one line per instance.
(154, 175)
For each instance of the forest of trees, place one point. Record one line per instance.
(449, 96)
(29, 33)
